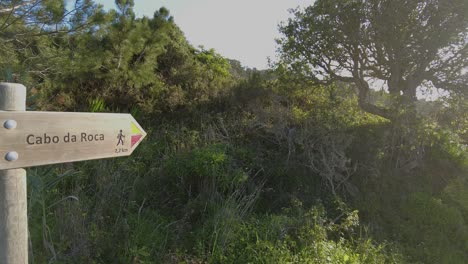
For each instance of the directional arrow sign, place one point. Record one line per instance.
(39, 138)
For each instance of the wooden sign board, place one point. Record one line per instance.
(39, 138)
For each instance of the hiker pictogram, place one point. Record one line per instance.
(121, 138)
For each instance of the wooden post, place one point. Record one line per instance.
(13, 194)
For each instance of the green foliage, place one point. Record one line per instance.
(455, 117)
(433, 231)
(303, 238)
(404, 44)
(240, 165)
(145, 63)
(455, 194)
(414, 190)
(97, 105)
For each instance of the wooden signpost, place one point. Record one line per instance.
(38, 138)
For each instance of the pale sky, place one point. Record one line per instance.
(237, 29)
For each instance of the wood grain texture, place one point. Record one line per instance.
(12, 97)
(13, 217)
(55, 137)
(13, 196)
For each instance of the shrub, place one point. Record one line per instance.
(432, 231)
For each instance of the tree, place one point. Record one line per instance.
(32, 31)
(38, 17)
(406, 44)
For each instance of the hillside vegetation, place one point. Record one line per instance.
(239, 165)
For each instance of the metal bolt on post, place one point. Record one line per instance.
(13, 196)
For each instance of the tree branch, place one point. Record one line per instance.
(15, 7)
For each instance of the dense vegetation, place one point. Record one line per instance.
(246, 166)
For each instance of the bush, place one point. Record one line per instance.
(432, 231)
(304, 238)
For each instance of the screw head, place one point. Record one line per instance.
(11, 156)
(10, 124)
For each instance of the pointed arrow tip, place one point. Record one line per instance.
(137, 133)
